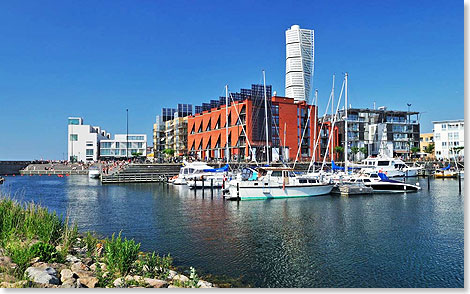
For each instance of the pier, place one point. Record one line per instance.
(142, 173)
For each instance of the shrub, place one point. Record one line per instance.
(154, 266)
(90, 243)
(21, 255)
(120, 255)
(45, 252)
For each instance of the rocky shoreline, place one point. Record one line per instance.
(39, 249)
(81, 271)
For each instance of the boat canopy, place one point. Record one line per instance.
(446, 168)
(215, 170)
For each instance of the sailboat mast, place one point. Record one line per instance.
(284, 148)
(332, 106)
(315, 126)
(227, 151)
(346, 123)
(266, 116)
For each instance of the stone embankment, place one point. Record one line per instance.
(78, 270)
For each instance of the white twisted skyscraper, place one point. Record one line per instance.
(299, 62)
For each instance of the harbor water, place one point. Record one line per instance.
(381, 240)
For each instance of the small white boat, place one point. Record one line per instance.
(192, 170)
(275, 182)
(94, 172)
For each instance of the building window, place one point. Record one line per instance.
(73, 137)
(74, 121)
(444, 144)
(443, 126)
(105, 144)
(89, 152)
(89, 143)
(139, 144)
(438, 136)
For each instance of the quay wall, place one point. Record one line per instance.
(12, 167)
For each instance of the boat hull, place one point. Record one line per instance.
(271, 192)
(386, 187)
(93, 174)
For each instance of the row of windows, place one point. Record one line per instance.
(105, 152)
(121, 145)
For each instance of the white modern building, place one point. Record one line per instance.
(135, 146)
(448, 134)
(83, 140)
(299, 62)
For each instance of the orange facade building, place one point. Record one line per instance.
(247, 128)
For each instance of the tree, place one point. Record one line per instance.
(429, 149)
(363, 150)
(169, 152)
(354, 150)
(136, 154)
(457, 150)
(339, 150)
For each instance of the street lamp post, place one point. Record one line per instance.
(127, 133)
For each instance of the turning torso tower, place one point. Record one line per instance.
(299, 62)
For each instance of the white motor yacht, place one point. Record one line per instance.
(392, 167)
(195, 170)
(275, 182)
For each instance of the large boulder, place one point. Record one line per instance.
(171, 275)
(181, 278)
(88, 282)
(43, 275)
(155, 283)
(77, 266)
(71, 259)
(69, 283)
(204, 284)
(66, 274)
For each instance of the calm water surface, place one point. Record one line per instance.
(384, 240)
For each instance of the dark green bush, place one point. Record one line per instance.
(45, 252)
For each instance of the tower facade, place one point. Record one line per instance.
(299, 62)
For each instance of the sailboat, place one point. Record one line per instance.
(274, 182)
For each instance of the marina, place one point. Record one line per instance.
(378, 240)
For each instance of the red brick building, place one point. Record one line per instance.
(247, 127)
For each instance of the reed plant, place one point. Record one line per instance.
(120, 254)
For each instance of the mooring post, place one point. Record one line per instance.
(460, 184)
(238, 191)
(202, 179)
(212, 188)
(429, 185)
(195, 185)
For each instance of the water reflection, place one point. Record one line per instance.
(402, 240)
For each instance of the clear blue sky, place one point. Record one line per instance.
(96, 58)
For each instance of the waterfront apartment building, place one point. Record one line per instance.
(160, 131)
(426, 139)
(83, 140)
(383, 131)
(448, 138)
(207, 132)
(176, 135)
(119, 148)
(299, 63)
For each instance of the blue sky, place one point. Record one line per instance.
(96, 58)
